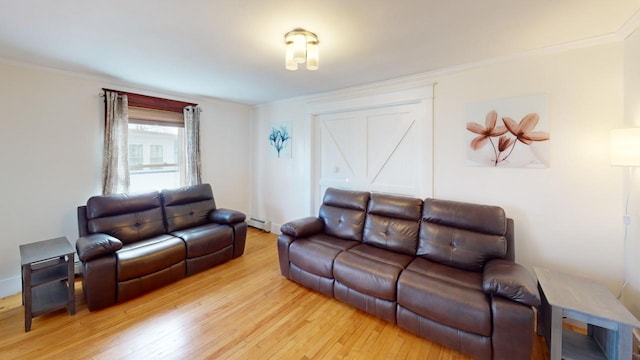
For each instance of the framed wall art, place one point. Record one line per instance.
(511, 133)
(280, 140)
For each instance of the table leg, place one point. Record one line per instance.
(555, 348)
(625, 342)
(71, 301)
(26, 281)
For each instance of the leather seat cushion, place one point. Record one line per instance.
(382, 255)
(370, 270)
(333, 242)
(314, 257)
(464, 278)
(447, 302)
(205, 239)
(148, 256)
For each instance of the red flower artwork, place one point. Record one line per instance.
(522, 132)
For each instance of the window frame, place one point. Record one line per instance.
(156, 111)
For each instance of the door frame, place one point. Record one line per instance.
(421, 96)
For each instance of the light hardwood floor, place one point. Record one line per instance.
(243, 309)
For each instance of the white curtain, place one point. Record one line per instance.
(115, 165)
(192, 142)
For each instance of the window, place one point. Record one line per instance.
(155, 154)
(162, 154)
(158, 137)
(135, 154)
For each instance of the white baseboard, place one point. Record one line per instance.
(10, 286)
(275, 228)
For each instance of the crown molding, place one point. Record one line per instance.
(107, 81)
(629, 27)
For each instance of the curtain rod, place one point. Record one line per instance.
(152, 102)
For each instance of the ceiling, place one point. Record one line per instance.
(234, 49)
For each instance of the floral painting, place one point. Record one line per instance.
(509, 132)
(280, 140)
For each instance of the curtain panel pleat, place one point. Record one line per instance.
(115, 166)
(192, 142)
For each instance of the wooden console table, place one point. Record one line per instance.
(47, 278)
(609, 323)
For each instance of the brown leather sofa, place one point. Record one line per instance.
(443, 270)
(131, 244)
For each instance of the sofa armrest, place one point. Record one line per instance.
(303, 227)
(510, 280)
(227, 216)
(96, 245)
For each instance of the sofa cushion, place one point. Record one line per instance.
(393, 223)
(462, 235)
(188, 206)
(445, 302)
(348, 199)
(313, 256)
(464, 278)
(333, 242)
(486, 219)
(117, 204)
(343, 213)
(129, 218)
(148, 256)
(205, 239)
(382, 255)
(370, 270)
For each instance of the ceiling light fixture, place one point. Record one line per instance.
(302, 46)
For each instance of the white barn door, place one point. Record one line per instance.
(377, 148)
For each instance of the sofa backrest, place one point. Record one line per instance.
(128, 217)
(344, 212)
(187, 206)
(393, 223)
(462, 235)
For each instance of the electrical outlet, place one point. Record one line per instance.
(626, 219)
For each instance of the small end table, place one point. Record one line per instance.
(47, 278)
(609, 323)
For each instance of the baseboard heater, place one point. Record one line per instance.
(262, 224)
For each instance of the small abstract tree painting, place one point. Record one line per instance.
(280, 140)
(509, 132)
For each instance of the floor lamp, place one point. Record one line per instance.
(625, 151)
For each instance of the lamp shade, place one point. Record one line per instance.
(299, 48)
(302, 46)
(290, 63)
(313, 61)
(625, 147)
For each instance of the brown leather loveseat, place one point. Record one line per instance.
(443, 270)
(131, 244)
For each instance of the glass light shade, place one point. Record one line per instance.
(313, 60)
(625, 147)
(299, 48)
(290, 64)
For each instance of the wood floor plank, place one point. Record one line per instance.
(243, 309)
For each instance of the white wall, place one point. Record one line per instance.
(280, 187)
(51, 155)
(631, 177)
(568, 217)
